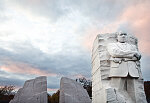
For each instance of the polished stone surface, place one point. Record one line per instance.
(33, 91)
(72, 92)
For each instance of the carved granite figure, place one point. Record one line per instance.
(116, 70)
(124, 63)
(123, 58)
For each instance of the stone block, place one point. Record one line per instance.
(33, 91)
(72, 92)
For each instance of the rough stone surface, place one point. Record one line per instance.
(72, 92)
(33, 91)
(116, 73)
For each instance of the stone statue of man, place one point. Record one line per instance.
(116, 73)
(124, 63)
(124, 58)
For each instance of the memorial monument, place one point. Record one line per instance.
(33, 91)
(116, 73)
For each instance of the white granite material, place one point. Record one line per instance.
(72, 92)
(33, 91)
(116, 73)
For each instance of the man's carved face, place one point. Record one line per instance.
(122, 37)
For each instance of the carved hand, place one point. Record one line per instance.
(137, 55)
(117, 60)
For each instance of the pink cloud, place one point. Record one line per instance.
(88, 39)
(78, 76)
(51, 90)
(23, 68)
(92, 32)
(136, 16)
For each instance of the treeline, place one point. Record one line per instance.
(87, 84)
(6, 93)
(147, 90)
(54, 98)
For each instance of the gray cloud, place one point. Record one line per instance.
(107, 10)
(3, 16)
(63, 64)
(51, 9)
(11, 81)
(99, 12)
(145, 64)
(53, 82)
(66, 62)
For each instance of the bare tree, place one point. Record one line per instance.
(7, 90)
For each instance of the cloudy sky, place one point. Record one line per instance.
(55, 37)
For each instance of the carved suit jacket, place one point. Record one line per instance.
(122, 62)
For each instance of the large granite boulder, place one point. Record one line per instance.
(33, 91)
(72, 92)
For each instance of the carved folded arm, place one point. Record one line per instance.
(121, 54)
(118, 53)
